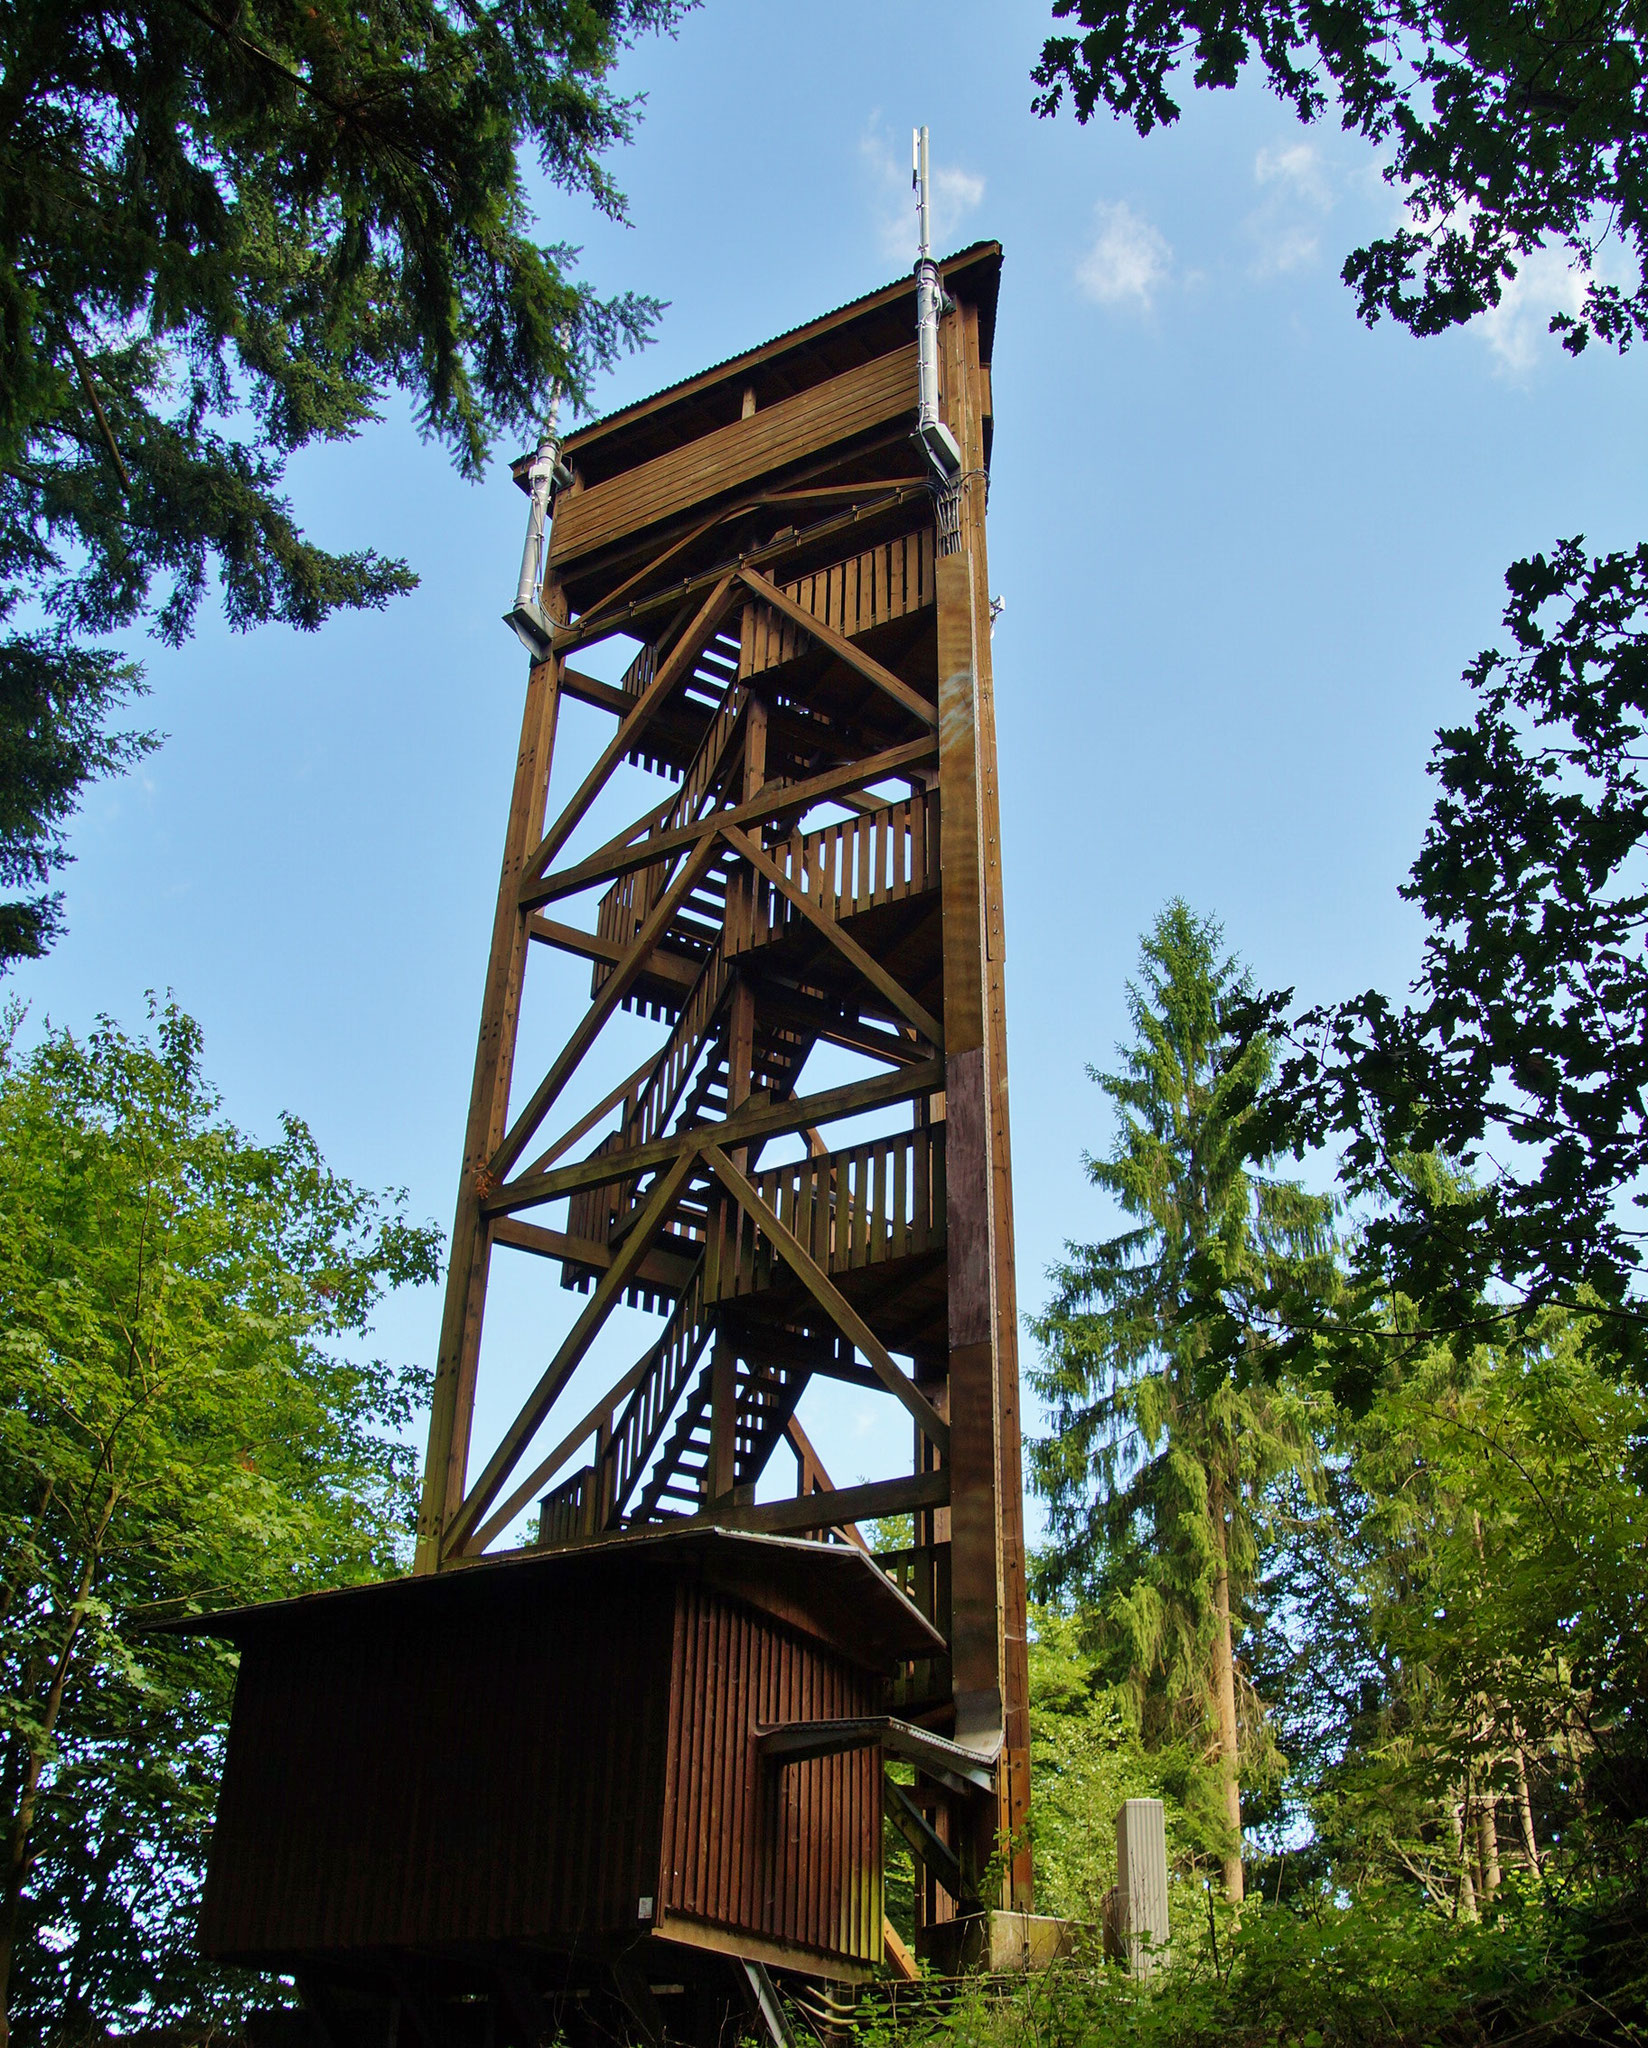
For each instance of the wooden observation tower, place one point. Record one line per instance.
(808, 884)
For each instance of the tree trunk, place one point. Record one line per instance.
(1525, 1810)
(21, 1826)
(1466, 1908)
(1224, 1695)
(1487, 1838)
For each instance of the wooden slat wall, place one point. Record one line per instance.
(792, 1855)
(861, 1206)
(409, 1786)
(720, 461)
(887, 582)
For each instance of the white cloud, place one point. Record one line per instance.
(1517, 328)
(1281, 246)
(1130, 260)
(1284, 227)
(1296, 166)
(954, 194)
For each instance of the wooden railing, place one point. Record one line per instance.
(597, 1212)
(881, 857)
(884, 583)
(647, 1412)
(567, 1510)
(862, 1206)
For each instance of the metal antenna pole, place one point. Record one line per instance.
(547, 470)
(936, 439)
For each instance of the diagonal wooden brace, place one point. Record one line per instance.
(926, 1845)
(566, 1360)
(830, 1298)
(651, 701)
(757, 1119)
(851, 951)
(613, 990)
(633, 849)
(840, 646)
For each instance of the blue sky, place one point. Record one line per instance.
(1245, 545)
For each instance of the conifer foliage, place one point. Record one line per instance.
(1158, 1354)
(228, 228)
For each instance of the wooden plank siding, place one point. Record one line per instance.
(558, 1757)
(394, 1786)
(790, 1854)
(720, 461)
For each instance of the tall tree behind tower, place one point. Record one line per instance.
(1157, 1350)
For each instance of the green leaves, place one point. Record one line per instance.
(189, 1417)
(1467, 1615)
(1522, 1058)
(1506, 127)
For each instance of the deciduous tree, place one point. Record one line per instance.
(1505, 125)
(1522, 1054)
(188, 1416)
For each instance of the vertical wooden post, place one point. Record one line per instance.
(453, 1400)
(741, 1011)
(978, 1169)
(723, 1471)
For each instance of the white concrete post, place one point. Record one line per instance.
(1141, 1884)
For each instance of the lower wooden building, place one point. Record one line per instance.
(563, 1771)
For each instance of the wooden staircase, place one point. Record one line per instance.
(626, 905)
(766, 1397)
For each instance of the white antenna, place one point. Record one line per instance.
(918, 178)
(935, 437)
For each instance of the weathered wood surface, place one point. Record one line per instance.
(768, 441)
(822, 868)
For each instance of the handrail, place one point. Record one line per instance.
(880, 856)
(862, 1206)
(647, 1414)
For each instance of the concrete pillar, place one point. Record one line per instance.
(1140, 1910)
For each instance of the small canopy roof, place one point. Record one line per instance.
(806, 355)
(831, 1591)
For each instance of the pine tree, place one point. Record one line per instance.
(229, 228)
(1160, 1350)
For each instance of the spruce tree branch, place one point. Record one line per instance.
(96, 404)
(265, 57)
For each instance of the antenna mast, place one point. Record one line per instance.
(935, 437)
